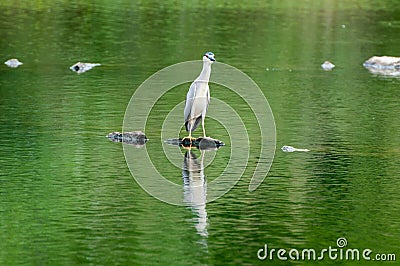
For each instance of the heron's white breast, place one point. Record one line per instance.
(201, 89)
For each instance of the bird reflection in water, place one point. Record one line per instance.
(195, 189)
(194, 179)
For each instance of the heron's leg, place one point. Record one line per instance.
(190, 138)
(202, 123)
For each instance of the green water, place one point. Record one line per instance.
(67, 196)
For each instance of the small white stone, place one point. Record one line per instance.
(13, 63)
(288, 148)
(292, 149)
(83, 67)
(327, 65)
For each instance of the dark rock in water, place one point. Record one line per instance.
(202, 143)
(135, 138)
(383, 65)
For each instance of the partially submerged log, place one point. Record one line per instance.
(201, 143)
(135, 138)
(138, 139)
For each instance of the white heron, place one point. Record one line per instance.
(198, 97)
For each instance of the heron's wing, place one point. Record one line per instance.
(189, 101)
(208, 96)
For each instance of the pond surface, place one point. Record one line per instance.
(67, 196)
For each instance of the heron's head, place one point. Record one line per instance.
(209, 57)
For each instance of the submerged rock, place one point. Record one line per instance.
(383, 65)
(135, 138)
(292, 149)
(327, 66)
(13, 63)
(83, 67)
(202, 143)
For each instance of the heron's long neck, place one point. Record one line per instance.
(205, 72)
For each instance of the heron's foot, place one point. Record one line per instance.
(188, 138)
(188, 141)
